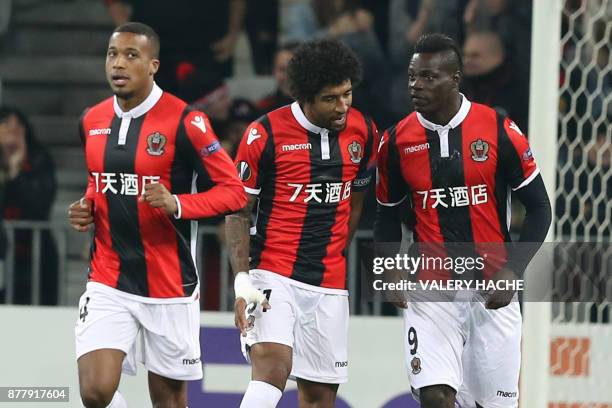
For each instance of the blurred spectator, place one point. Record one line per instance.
(347, 21)
(511, 19)
(408, 20)
(262, 29)
(195, 35)
(210, 94)
(29, 195)
(489, 77)
(242, 112)
(281, 95)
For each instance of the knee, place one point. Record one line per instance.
(437, 396)
(96, 397)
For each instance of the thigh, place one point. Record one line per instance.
(315, 394)
(433, 341)
(275, 325)
(104, 322)
(492, 355)
(320, 353)
(271, 363)
(171, 340)
(100, 372)
(166, 392)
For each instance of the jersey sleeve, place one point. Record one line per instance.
(367, 167)
(223, 193)
(517, 162)
(90, 192)
(391, 188)
(250, 158)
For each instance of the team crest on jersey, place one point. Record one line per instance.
(355, 151)
(244, 171)
(156, 142)
(415, 364)
(480, 150)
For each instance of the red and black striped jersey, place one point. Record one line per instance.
(304, 175)
(457, 176)
(138, 249)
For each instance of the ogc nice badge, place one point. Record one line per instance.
(156, 142)
(415, 364)
(480, 150)
(355, 151)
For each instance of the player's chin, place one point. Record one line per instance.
(337, 125)
(122, 92)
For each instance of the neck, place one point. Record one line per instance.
(309, 115)
(444, 115)
(134, 100)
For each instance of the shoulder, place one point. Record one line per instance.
(480, 111)
(360, 123)
(104, 108)
(407, 128)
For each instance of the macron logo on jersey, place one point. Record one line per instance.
(97, 132)
(198, 122)
(297, 146)
(252, 136)
(417, 148)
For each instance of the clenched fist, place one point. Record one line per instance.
(158, 196)
(80, 215)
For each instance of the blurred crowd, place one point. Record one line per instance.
(198, 44)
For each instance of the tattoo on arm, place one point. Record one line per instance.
(237, 227)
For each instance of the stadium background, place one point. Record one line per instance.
(52, 67)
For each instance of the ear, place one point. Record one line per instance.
(153, 66)
(457, 77)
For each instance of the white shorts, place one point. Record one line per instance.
(169, 333)
(474, 350)
(312, 323)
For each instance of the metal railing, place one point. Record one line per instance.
(62, 234)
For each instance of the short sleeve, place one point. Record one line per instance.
(391, 188)
(249, 159)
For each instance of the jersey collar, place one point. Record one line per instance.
(298, 114)
(454, 122)
(144, 107)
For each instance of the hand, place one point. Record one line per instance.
(224, 48)
(343, 25)
(158, 196)
(499, 298)
(364, 20)
(246, 294)
(80, 215)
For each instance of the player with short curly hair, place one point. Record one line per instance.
(308, 164)
(309, 69)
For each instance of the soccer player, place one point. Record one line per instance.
(155, 167)
(455, 162)
(308, 164)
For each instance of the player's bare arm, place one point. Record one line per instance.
(237, 234)
(80, 215)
